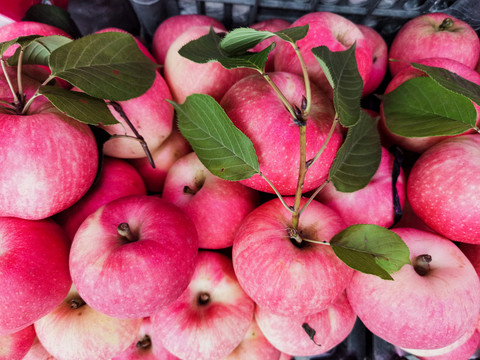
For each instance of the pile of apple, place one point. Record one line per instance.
(117, 241)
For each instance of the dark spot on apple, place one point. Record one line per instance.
(203, 299)
(374, 60)
(145, 343)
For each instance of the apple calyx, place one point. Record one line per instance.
(203, 298)
(145, 343)
(446, 24)
(77, 302)
(189, 190)
(422, 264)
(125, 232)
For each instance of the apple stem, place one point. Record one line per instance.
(308, 90)
(9, 82)
(125, 232)
(446, 24)
(422, 264)
(325, 143)
(203, 298)
(301, 175)
(145, 343)
(314, 195)
(19, 77)
(37, 94)
(76, 303)
(282, 97)
(276, 192)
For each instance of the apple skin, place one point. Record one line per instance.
(172, 149)
(374, 203)
(472, 252)
(281, 276)
(196, 330)
(421, 38)
(332, 326)
(173, 27)
(420, 144)
(216, 206)
(442, 188)
(34, 271)
(38, 352)
(420, 312)
(254, 108)
(210, 78)
(16, 345)
(117, 179)
(110, 271)
(83, 333)
(331, 30)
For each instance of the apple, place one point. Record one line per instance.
(429, 304)
(434, 35)
(332, 325)
(34, 273)
(255, 108)
(442, 188)
(16, 345)
(216, 206)
(38, 352)
(288, 277)
(210, 78)
(173, 148)
(75, 331)
(472, 252)
(374, 203)
(333, 31)
(210, 319)
(133, 245)
(420, 144)
(173, 27)
(117, 179)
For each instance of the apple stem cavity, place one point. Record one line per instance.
(77, 303)
(145, 343)
(188, 190)
(125, 232)
(446, 24)
(422, 264)
(203, 298)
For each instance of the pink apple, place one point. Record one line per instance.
(374, 203)
(133, 245)
(173, 148)
(420, 144)
(16, 345)
(75, 331)
(379, 61)
(442, 188)
(281, 275)
(209, 320)
(173, 27)
(255, 108)
(333, 31)
(332, 325)
(216, 206)
(38, 352)
(117, 179)
(411, 220)
(210, 78)
(429, 304)
(33, 271)
(472, 252)
(434, 35)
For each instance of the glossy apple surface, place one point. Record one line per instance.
(16, 345)
(38, 352)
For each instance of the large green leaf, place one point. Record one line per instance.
(358, 158)
(371, 249)
(107, 66)
(421, 107)
(38, 50)
(224, 150)
(340, 68)
(53, 15)
(79, 106)
(452, 81)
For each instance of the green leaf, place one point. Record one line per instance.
(23, 41)
(420, 107)
(224, 150)
(79, 106)
(340, 68)
(358, 158)
(371, 249)
(38, 50)
(107, 66)
(4, 46)
(54, 16)
(452, 82)
(293, 34)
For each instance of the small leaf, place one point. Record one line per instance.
(371, 249)
(452, 82)
(224, 150)
(310, 332)
(54, 16)
(79, 106)
(106, 65)
(293, 34)
(420, 107)
(358, 158)
(4, 46)
(340, 68)
(38, 50)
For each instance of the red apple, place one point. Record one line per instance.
(332, 325)
(216, 206)
(16, 345)
(209, 320)
(442, 188)
(134, 245)
(429, 304)
(255, 108)
(434, 35)
(284, 276)
(34, 273)
(75, 331)
(472, 252)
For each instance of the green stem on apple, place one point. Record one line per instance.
(9, 82)
(314, 194)
(34, 96)
(324, 242)
(325, 143)
(19, 77)
(308, 89)
(282, 97)
(301, 175)
(276, 192)
(446, 24)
